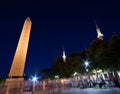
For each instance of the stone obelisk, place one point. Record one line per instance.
(17, 69)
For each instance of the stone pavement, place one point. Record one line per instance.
(90, 91)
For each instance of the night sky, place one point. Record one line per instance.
(54, 24)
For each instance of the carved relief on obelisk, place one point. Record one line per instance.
(18, 64)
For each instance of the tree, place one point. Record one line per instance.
(97, 55)
(102, 55)
(105, 56)
(66, 69)
(2, 80)
(113, 53)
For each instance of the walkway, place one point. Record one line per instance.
(90, 91)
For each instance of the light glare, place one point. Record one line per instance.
(86, 63)
(34, 79)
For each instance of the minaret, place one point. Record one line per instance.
(99, 34)
(64, 56)
(17, 69)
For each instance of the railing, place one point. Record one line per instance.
(28, 87)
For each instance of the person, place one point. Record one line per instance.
(90, 83)
(116, 81)
(101, 82)
(81, 84)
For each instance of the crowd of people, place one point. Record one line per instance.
(112, 81)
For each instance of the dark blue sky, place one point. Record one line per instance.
(54, 24)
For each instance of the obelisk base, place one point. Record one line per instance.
(14, 85)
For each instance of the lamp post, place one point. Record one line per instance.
(86, 63)
(87, 70)
(34, 79)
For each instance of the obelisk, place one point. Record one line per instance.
(17, 69)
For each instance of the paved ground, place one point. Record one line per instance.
(90, 91)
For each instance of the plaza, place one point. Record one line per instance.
(90, 91)
(61, 47)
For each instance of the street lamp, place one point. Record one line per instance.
(86, 63)
(34, 79)
(75, 73)
(56, 76)
(87, 70)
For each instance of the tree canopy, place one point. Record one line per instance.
(102, 55)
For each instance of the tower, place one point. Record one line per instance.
(99, 34)
(64, 56)
(17, 69)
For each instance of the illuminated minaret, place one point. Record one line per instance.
(99, 34)
(64, 56)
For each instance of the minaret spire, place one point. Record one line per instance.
(99, 34)
(64, 56)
